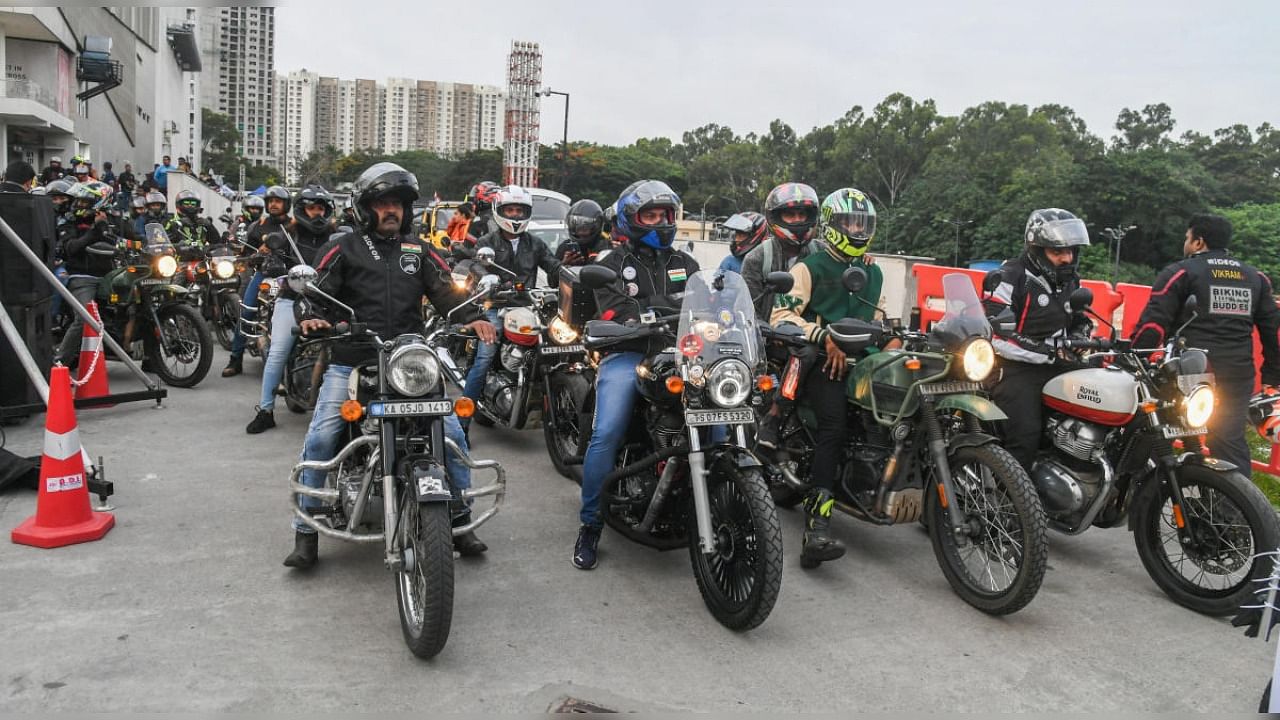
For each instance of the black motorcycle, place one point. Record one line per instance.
(569, 377)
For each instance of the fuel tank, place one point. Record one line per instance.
(1106, 397)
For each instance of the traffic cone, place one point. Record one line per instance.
(63, 515)
(92, 361)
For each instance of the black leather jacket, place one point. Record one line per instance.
(74, 240)
(1040, 308)
(524, 261)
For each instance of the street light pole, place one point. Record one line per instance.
(564, 145)
(955, 262)
(1117, 236)
(704, 217)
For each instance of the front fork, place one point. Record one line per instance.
(1168, 461)
(945, 486)
(701, 501)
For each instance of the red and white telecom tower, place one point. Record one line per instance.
(524, 79)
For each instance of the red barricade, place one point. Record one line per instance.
(1105, 302)
(1134, 300)
(929, 289)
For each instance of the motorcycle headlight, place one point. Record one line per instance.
(413, 370)
(729, 383)
(166, 266)
(1198, 407)
(979, 359)
(562, 332)
(223, 268)
(460, 280)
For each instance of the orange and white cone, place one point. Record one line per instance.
(93, 364)
(63, 515)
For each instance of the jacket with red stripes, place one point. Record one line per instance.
(1231, 299)
(1039, 306)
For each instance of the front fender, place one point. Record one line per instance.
(1212, 463)
(175, 289)
(967, 440)
(427, 477)
(975, 405)
(733, 456)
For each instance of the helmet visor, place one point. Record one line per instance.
(858, 227)
(738, 224)
(1064, 233)
(581, 225)
(515, 211)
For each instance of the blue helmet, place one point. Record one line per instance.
(646, 195)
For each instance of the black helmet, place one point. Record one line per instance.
(751, 223)
(188, 203)
(643, 195)
(276, 191)
(788, 196)
(313, 195)
(381, 179)
(585, 220)
(1055, 228)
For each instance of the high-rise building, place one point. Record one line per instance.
(445, 118)
(296, 120)
(240, 44)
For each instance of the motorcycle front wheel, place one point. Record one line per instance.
(999, 564)
(561, 421)
(740, 581)
(228, 316)
(1230, 521)
(424, 583)
(181, 349)
(300, 387)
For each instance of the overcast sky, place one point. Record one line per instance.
(659, 68)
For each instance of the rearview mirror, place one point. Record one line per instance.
(489, 282)
(486, 255)
(854, 280)
(991, 281)
(1080, 299)
(597, 276)
(276, 242)
(780, 282)
(300, 276)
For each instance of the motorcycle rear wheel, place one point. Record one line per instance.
(740, 581)
(1005, 525)
(186, 339)
(424, 583)
(1231, 521)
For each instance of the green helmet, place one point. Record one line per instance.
(846, 223)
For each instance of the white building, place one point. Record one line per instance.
(240, 44)
(37, 94)
(295, 120)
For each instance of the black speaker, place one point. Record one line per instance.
(36, 327)
(31, 217)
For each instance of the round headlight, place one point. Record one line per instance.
(413, 370)
(1198, 407)
(729, 383)
(223, 268)
(562, 332)
(166, 265)
(979, 359)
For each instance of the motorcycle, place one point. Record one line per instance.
(212, 276)
(388, 484)
(141, 303)
(1122, 444)
(916, 450)
(567, 398)
(671, 487)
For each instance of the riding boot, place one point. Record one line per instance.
(817, 546)
(235, 366)
(467, 544)
(305, 548)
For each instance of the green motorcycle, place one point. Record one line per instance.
(916, 451)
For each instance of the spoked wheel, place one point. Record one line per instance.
(1230, 521)
(561, 421)
(228, 316)
(300, 388)
(184, 349)
(740, 581)
(996, 560)
(424, 584)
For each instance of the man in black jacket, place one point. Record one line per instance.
(382, 271)
(85, 270)
(187, 226)
(1232, 298)
(275, 222)
(18, 177)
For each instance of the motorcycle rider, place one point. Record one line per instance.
(748, 230)
(649, 272)
(157, 212)
(382, 271)
(52, 171)
(818, 299)
(1035, 287)
(187, 227)
(1232, 299)
(585, 224)
(459, 225)
(515, 250)
(313, 211)
(251, 210)
(481, 197)
(85, 270)
(59, 192)
(276, 221)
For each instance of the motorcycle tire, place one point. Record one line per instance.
(299, 390)
(1018, 502)
(224, 326)
(424, 583)
(739, 582)
(570, 392)
(1245, 506)
(1264, 704)
(195, 353)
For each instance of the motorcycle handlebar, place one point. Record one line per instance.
(1085, 343)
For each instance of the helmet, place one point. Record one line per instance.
(1054, 228)
(644, 195)
(88, 198)
(482, 195)
(250, 204)
(786, 196)
(139, 203)
(156, 198)
(59, 188)
(188, 203)
(55, 159)
(848, 223)
(80, 169)
(384, 178)
(38, 190)
(276, 191)
(513, 196)
(313, 195)
(585, 219)
(751, 223)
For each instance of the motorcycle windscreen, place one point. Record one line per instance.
(157, 240)
(717, 320)
(964, 317)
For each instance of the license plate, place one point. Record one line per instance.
(410, 408)
(228, 281)
(738, 416)
(561, 349)
(1176, 431)
(151, 281)
(950, 388)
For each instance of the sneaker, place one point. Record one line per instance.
(767, 432)
(263, 421)
(584, 550)
(235, 366)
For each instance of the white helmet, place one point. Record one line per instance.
(508, 196)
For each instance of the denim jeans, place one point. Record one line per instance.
(326, 427)
(483, 361)
(282, 342)
(55, 304)
(84, 288)
(251, 300)
(615, 400)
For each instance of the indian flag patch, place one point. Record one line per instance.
(677, 275)
(410, 248)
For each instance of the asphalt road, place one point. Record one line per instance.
(185, 605)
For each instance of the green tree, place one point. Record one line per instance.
(1256, 236)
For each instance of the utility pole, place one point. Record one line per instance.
(703, 230)
(955, 262)
(1117, 235)
(564, 143)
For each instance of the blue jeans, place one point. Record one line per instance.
(326, 426)
(483, 361)
(251, 300)
(55, 305)
(282, 342)
(615, 400)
